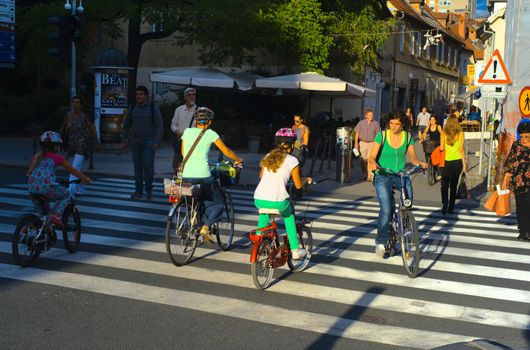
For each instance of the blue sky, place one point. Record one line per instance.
(481, 8)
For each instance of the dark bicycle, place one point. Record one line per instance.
(188, 208)
(36, 234)
(431, 171)
(403, 230)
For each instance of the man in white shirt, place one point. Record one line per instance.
(422, 121)
(182, 119)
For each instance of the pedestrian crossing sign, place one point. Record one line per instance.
(495, 71)
(524, 101)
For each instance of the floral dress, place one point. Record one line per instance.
(42, 180)
(518, 164)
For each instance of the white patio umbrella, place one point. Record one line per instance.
(313, 82)
(205, 77)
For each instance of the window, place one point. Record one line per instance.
(442, 51)
(412, 43)
(418, 52)
(428, 53)
(438, 53)
(448, 55)
(456, 58)
(401, 29)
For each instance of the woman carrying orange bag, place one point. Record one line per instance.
(517, 177)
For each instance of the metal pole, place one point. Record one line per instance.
(491, 145)
(73, 91)
(482, 130)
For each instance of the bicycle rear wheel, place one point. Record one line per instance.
(224, 227)
(25, 251)
(181, 238)
(72, 228)
(410, 244)
(306, 241)
(262, 270)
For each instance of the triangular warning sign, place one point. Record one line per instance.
(495, 71)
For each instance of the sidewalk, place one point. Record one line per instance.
(18, 151)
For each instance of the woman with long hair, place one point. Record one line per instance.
(452, 141)
(277, 168)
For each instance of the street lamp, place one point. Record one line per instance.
(71, 5)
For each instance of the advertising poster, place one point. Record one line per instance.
(111, 104)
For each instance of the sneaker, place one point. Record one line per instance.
(298, 254)
(205, 233)
(149, 194)
(57, 221)
(137, 195)
(380, 250)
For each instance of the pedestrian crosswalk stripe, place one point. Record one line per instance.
(251, 311)
(300, 289)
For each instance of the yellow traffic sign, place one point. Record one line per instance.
(524, 101)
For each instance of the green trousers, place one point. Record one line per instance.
(288, 218)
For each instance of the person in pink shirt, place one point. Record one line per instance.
(41, 174)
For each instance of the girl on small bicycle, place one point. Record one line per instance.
(389, 151)
(277, 168)
(41, 174)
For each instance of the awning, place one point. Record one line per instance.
(313, 82)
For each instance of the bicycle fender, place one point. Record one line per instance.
(254, 253)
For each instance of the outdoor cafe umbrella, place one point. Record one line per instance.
(205, 77)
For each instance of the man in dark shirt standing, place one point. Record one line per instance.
(142, 130)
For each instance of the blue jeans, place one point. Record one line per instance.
(213, 199)
(143, 154)
(383, 188)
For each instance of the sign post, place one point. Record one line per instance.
(7, 34)
(494, 78)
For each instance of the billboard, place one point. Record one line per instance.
(7, 34)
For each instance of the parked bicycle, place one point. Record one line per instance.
(269, 253)
(37, 234)
(403, 230)
(187, 209)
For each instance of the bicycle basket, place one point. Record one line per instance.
(429, 146)
(228, 175)
(180, 189)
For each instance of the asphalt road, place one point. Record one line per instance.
(121, 291)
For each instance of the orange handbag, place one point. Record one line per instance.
(438, 157)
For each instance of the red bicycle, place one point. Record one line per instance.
(268, 253)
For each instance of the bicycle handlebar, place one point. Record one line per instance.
(408, 171)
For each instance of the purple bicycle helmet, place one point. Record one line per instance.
(50, 137)
(203, 114)
(285, 136)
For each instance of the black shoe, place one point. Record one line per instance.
(137, 195)
(451, 210)
(148, 194)
(444, 210)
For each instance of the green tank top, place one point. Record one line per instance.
(453, 152)
(390, 157)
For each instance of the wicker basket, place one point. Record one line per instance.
(179, 189)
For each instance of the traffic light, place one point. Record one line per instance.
(75, 29)
(62, 38)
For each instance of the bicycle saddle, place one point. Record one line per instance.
(42, 201)
(269, 211)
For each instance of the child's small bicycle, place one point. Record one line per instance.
(268, 253)
(35, 235)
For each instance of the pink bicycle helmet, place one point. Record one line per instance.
(50, 137)
(285, 135)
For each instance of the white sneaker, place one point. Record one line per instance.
(380, 250)
(298, 253)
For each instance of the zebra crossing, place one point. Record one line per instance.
(475, 280)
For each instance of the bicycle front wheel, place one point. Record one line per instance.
(262, 269)
(224, 227)
(25, 250)
(181, 239)
(72, 228)
(431, 172)
(410, 244)
(306, 241)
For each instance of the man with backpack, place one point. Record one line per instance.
(142, 131)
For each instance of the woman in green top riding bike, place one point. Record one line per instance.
(389, 151)
(197, 169)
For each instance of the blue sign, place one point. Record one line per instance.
(7, 33)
